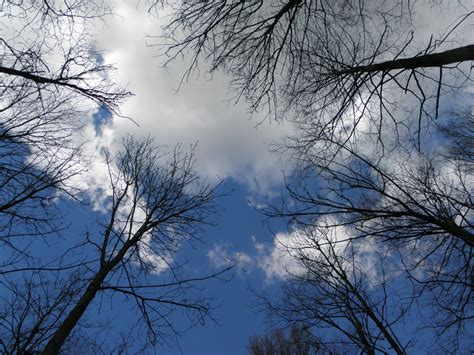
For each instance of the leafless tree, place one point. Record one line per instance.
(418, 206)
(48, 67)
(342, 293)
(31, 309)
(48, 48)
(37, 158)
(459, 135)
(51, 79)
(299, 341)
(353, 74)
(156, 203)
(333, 63)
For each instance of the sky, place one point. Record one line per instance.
(232, 144)
(202, 111)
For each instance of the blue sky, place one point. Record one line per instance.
(238, 225)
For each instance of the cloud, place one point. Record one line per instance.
(274, 261)
(281, 259)
(229, 143)
(277, 260)
(222, 256)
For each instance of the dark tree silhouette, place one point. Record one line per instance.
(366, 98)
(299, 341)
(419, 207)
(156, 204)
(51, 80)
(32, 308)
(49, 48)
(330, 62)
(459, 135)
(331, 293)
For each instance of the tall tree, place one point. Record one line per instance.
(341, 292)
(155, 205)
(298, 341)
(417, 207)
(52, 80)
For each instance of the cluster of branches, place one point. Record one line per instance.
(52, 79)
(156, 203)
(323, 59)
(299, 341)
(368, 99)
(416, 205)
(329, 293)
(48, 49)
(47, 68)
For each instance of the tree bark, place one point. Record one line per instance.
(58, 339)
(452, 56)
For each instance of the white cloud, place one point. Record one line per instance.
(229, 145)
(282, 258)
(222, 256)
(277, 261)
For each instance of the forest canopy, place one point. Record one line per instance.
(372, 105)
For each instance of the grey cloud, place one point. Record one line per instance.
(229, 144)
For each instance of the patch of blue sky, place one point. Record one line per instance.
(99, 58)
(102, 118)
(239, 227)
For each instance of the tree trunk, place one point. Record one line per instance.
(58, 339)
(452, 56)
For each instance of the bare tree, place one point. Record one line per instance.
(332, 63)
(343, 294)
(32, 306)
(38, 156)
(48, 66)
(299, 341)
(459, 135)
(419, 207)
(364, 93)
(48, 47)
(155, 204)
(52, 78)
